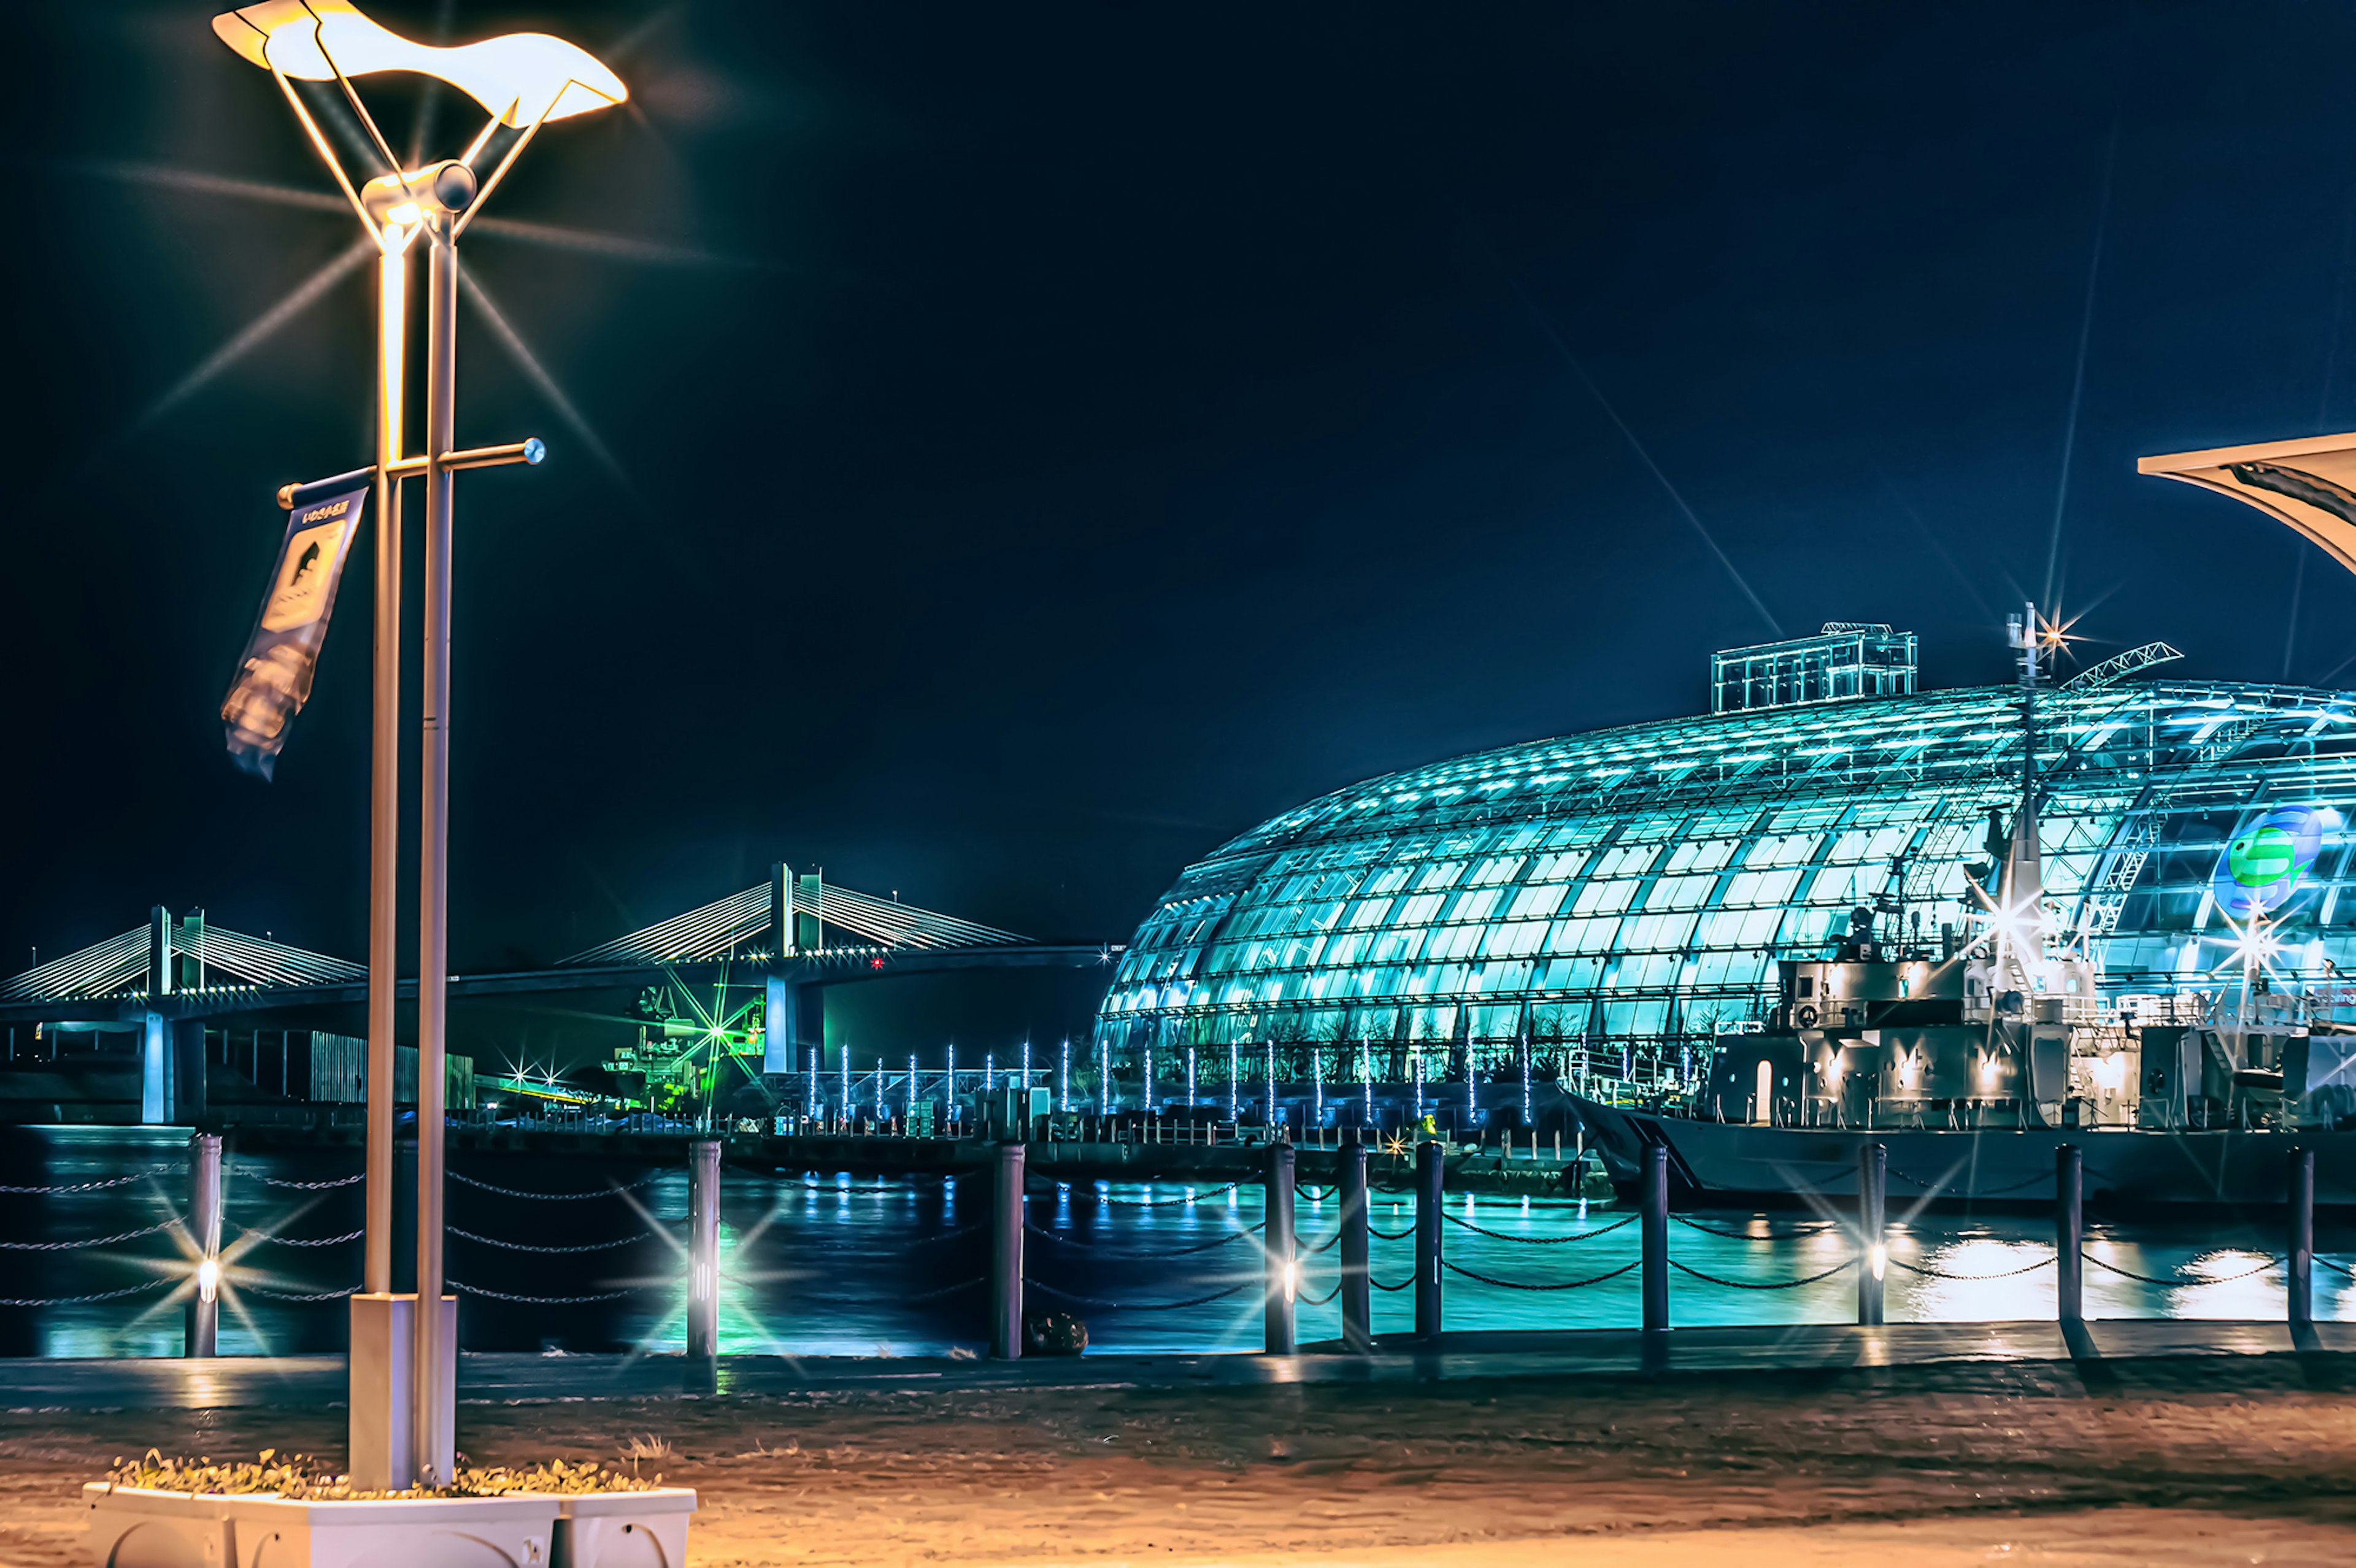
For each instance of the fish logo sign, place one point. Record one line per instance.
(2261, 866)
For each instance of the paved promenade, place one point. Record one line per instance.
(232, 1382)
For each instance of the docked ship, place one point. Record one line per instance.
(1972, 1056)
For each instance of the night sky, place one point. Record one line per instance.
(1045, 441)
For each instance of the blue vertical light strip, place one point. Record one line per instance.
(990, 1073)
(1104, 1078)
(1235, 1071)
(843, 1103)
(1367, 1083)
(1317, 1082)
(1026, 1076)
(809, 1099)
(1271, 1087)
(1064, 1080)
(1526, 1083)
(912, 1092)
(1190, 1077)
(950, 1092)
(1418, 1054)
(881, 1109)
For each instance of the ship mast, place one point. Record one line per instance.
(2022, 891)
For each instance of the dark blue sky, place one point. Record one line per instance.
(1109, 426)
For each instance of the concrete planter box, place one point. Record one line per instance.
(131, 1528)
(624, 1530)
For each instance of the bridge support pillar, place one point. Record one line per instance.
(780, 1039)
(171, 1071)
(155, 1072)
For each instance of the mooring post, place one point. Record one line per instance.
(703, 1249)
(1006, 1256)
(1281, 1270)
(2301, 1185)
(204, 1230)
(1653, 1230)
(1872, 1242)
(1357, 1297)
(2070, 1232)
(1431, 1172)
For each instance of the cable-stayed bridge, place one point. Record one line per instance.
(794, 934)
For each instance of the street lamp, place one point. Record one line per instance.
(404, 1356)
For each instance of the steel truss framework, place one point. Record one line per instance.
(1628, 891)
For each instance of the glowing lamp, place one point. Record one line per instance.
(1878, 1256)
(1291, 1279)
(521, 79)
(207, 1280)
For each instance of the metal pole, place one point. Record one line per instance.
(1872, 1248)
(1652, 1230)
(1357, 1303)
(1430, 1173)
(703, 1249)
(204, 1229)
(1280, 1269)
(384, 793)
(1006, 1257)
(2070, 1231)
(2302, 1237)
(436, 1365)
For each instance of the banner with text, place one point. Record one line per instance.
(274, 680)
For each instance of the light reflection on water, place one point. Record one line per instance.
(838, 1265)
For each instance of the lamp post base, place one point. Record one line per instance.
(385, 1452)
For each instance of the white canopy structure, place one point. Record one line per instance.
(2309, 484)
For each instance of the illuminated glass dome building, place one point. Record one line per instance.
(1620, 898)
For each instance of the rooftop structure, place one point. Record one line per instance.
(1631, 889)
(1848, 658)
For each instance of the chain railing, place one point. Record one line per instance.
(1537, 1241)
(1928, 1272)
(352, 1180)
(615, 1190)
(2180, 1281)
(1102, 1305)
(1760, 1284)
(262, 1235)
(79, 1242)
(70, 1188)
(1220, 1240)
(1277, 1270)
(1528, 1285)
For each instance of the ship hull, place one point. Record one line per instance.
(1729, 1163)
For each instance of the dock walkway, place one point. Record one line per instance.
(232, 1381)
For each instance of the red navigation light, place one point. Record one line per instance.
(875, 963)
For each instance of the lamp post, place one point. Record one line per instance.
(404, 1349)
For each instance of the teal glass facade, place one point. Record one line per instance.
(1619, 898)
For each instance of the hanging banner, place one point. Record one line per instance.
(274, 680)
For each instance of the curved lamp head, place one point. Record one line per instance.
(521, 79)
(2308, 484)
